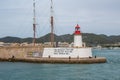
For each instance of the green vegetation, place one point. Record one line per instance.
(89, 38)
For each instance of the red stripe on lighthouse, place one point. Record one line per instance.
(77, 30)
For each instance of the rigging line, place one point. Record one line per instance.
(43, 21)
(52, 24)
(34, 23)
(25, 30)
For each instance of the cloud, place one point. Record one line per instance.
(94, 16)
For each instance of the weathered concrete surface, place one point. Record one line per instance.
(58, 60)
(20, 55)
(18, 52)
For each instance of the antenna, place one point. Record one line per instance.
(52, 25)
(34, 23)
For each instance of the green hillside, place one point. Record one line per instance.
(89, 38)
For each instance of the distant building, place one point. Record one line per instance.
(48, 44)
(1, 43)
(63, 44)
(24, 44)
(5, 44)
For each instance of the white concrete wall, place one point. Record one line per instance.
(67, 52)
(77, 41)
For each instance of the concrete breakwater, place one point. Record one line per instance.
(19, 51)
(21, 55)
(58, 60)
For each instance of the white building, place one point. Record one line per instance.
(78, 50)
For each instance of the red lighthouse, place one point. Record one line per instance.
(77, 30)
(77, 37)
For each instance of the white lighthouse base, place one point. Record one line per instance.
(77, 41)
(67, 52)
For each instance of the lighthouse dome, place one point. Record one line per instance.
(77, 30)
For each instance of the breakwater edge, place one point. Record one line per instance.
(20, 54)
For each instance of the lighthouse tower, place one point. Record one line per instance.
(77, 37)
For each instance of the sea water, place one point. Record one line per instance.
(36, 71)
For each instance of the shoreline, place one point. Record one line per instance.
(57, 60)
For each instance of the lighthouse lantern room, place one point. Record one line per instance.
(77, 37)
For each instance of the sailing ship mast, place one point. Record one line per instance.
(34, 23)
(51, 22)
(52, 25)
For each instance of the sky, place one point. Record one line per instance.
(93, 16)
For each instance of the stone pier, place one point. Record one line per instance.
(18, 52)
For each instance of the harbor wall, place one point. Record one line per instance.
(21, 55)
(18, 52)
(58, 60)
(67, 52)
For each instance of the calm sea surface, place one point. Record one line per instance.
(33, 71)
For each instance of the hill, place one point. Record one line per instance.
(89, 38)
